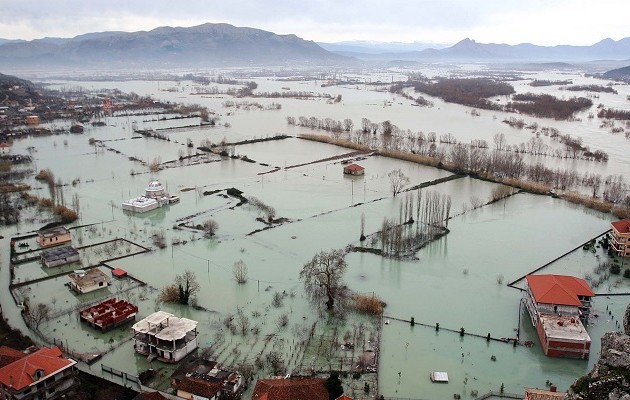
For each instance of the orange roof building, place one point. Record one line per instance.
(559, 305)
(539, 394)
(620, 237)
(290, 389)
(44, 373)
(353, 169)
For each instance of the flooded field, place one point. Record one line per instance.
(458, 280)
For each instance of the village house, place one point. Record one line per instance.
(559, 305)
(59, 256)
(353, 169)
(539, 394)
(9, 355)
(32, 120)
(293, 388)
(44, 374)
(150, 396)
(164, 336)
(204, 379)
(155, 196)
(53, 236)
(620, 237)
(88, 281)
(109, 314)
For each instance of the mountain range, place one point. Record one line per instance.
(219, 45)
(207, 45)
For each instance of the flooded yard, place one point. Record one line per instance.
(267, 325)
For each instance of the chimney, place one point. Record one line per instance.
(553, 388)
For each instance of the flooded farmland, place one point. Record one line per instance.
(458, 280)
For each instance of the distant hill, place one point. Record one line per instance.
(203, 45)
(13, 88)
(469, 50)
(619, 73)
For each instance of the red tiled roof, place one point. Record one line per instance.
(290, 389)
(558, 289)
(353, 167)
(538, 394)
(19, 374)
(343, 397)
(150, 396)
(622, 226)
(119, 272)
(9, 355)
(199, 387)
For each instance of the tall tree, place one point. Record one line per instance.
(398, 180)
(323, 276)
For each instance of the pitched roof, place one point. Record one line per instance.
(622, 226)
(150, 396)
(343, 397)
(199, 387)
(290, 389)
(558, 289)
(20, 373)
(538, 394)
(353, 167)
(9, 355)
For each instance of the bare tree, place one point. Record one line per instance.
(362, 237)
(38, 314)
(499, 141)
(323, 276)
(239, 270)
(187, 285)
(210, 227)
(242, 322)
(398, 180)
(348, 124)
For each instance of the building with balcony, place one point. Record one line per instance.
(620, 237)
(44, 374)
(559, 306)
(164, 336)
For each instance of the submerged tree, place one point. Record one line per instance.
(398, 180)
(323, 276)
(239, 270)
(187, 285)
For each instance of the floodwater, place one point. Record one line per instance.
(454, 281)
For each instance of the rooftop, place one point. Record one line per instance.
(567, 328)
(290, 389)
(20, 373)
(354, 167)
(58, 230)
(89, 278)
(558, 289)
(538, 394)
(165, 326)
(58, 253)
(622, 226)
(199, 387)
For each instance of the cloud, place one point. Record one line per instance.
(508, 21)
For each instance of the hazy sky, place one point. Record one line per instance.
(543, 22)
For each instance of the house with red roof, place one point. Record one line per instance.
(559, 306)
(620, 237)
(353, 169)
(290, 389)
(44, 374)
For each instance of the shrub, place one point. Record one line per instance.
(368, 304)
(626, 273)
(615, 269)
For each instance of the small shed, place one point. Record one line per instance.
(440, 377)
(119, 273)
(59, 256)
(353, 169)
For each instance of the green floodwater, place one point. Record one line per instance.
(453, 281)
